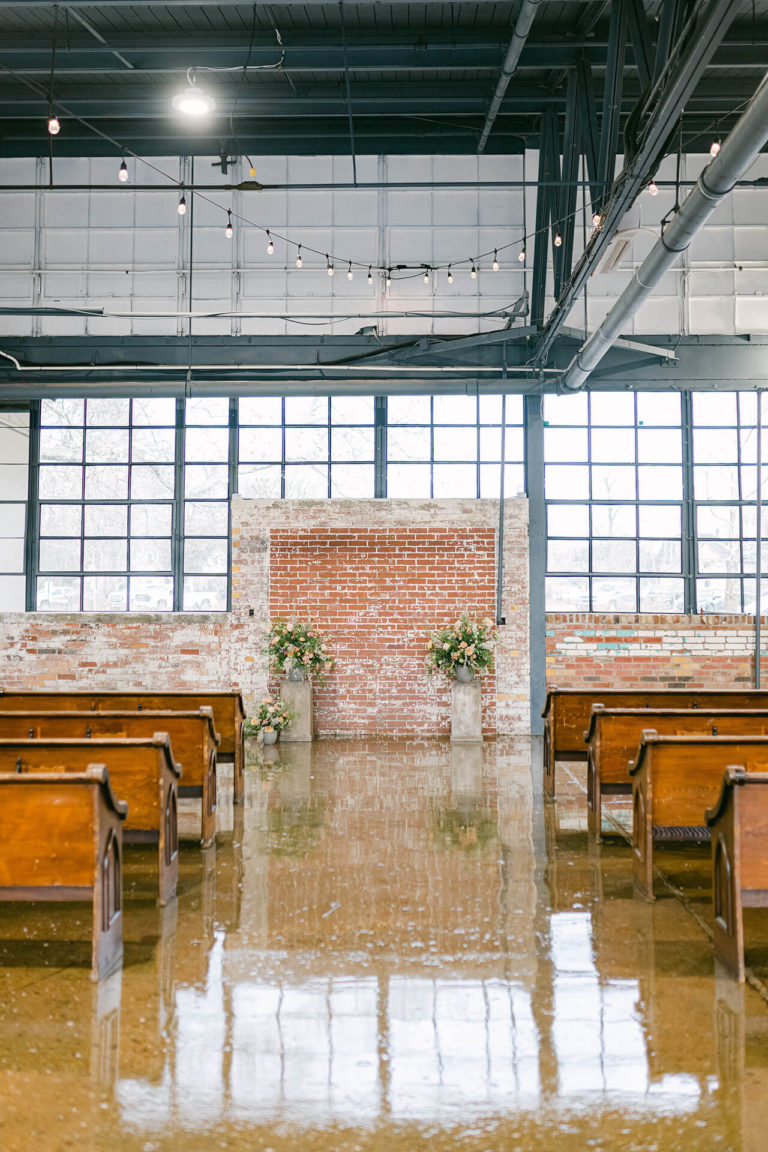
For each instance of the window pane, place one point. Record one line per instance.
(613, 556)
(352, 409)
(106, 519)
(612, 407)
(715, 447)
(660, 520)
(207, 410)
(613, 445)
(205, 555)
(207, 444)
(408, 410)
(261, 444)
(713, 483)
(408, 481)
(565, 444)
(714, 408)
(408, 444)
(568, 556)
(68, 413)
(105, 555)
(614, 595)
(306, 482)
(352, 444)
(58, 594)
(260, 410)
(152, 445)
(62, 483)
(567, 593)
(153, 482)
(490, 444)
(718, 595)
(352, 481)
(12, 558)
(306, 409)
(490, 478)
(206, 519)
(566, 482)
(150, 520)
(660, 595)
(150, 556)
(151, 593)
(306, 444)
(451, 481)
(659, 482)
(613, 520)
(151, 410)
(455, 443)
(568, 519)
(106, 483)
(60, 519)
(210, 480)
(566, 409)
(658, 446)
(613, 483)
(658, 408)
(719, 556)
(106, 446)
(205, 593)
(454, 409)
(660, 556)
(13, 520)
(107, 411)
(59, 555)
(718, 520)
(61, 445)
(259, 483)
(105, 593)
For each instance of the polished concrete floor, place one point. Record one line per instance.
(394, 947)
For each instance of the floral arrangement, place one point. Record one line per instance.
(466, 642)
(299, 644)
(270, 716)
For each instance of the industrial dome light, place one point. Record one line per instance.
(193, 101)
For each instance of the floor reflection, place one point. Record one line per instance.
(393, 945)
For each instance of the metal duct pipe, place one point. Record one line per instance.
(740, 149)
(516, 45)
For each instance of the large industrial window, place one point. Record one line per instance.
(14, 457)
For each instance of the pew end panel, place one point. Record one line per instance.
(61, 840)
(642, 820)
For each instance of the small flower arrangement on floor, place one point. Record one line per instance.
(298, 646)
(466, 643)
(270, 716)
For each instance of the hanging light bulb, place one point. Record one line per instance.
(714, 148)
(450, 275)
(495, 264)
(350, 273)
(54, 127)
(298, 257)
(473, 272)
(228, 229)
(521, 255)
(426, 275)
(182, 208)
(328, 265)
(597, 219)
(123, 173)
(653, 188)
(193, 101)
(558, 240)
(270, 245)
(370, 277)
(389, 277)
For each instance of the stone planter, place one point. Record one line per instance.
(296, 675)
(297, 694)
(268, 737)
(464, 675)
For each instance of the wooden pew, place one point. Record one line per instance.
(228, 713)
(614, 734)
(193, 739)
(141, 772)
(675, 779)
(61, 839)
(567, 711)
(738, 824)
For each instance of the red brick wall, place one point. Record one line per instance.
(378, 592)
(669, 650)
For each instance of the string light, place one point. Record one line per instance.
(389, 277)
(597, 220)
(495, 264)
(298, 257)
(54, 127)
(714, 148)
(473, 272)
(370, 277)
(123, 173)
(450, 275)
(521, 255)
(182, 208)
(228, 229)
(270, 245)
(328, 265)
(426, 275)
(349, 271)
(558, 240)
(653, 188)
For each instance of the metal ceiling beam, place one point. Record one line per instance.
(685, 68)
(523, 24)
(640, 36)
(572, 136)
(612, 93)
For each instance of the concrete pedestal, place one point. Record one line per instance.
(466, 712)
(297, 694)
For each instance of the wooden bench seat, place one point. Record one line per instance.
(141, 772)
(738, 824)
(61, 839)
(614, 734)
(227, 706)
(675, 779)
(567, 712)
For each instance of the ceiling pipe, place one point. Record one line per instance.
(737, 153)
(517, 43)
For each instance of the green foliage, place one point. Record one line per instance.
(466, 641)
(271, 715)
(298, 644)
